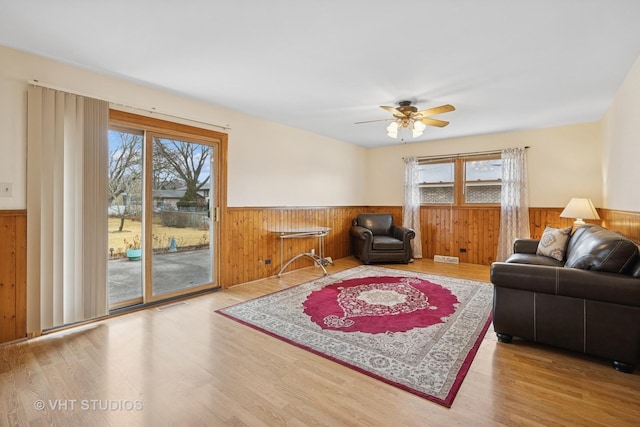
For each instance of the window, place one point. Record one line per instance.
(436, 182)
(482, 183)
(469, 180)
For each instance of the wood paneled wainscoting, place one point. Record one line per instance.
(624, 222)
(13, 275)
(248, 242)
(251, 248)
(469, 233)
(472, 234)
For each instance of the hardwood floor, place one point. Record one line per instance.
(186, 365)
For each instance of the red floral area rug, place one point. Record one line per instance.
(419, 332)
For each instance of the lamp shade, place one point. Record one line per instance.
(580, 209)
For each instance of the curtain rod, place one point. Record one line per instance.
(448, 156)
(151, 110)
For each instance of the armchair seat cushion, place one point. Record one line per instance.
(386, 243)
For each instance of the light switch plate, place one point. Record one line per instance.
(6, 189)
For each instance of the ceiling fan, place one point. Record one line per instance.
(408, 116)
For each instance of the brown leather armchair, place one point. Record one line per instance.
(376, 239)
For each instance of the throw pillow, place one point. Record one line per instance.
(553, 242)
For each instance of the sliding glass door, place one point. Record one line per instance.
(162, 214)
(124, 269)
(181, 223)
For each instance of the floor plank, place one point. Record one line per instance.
(188, 365)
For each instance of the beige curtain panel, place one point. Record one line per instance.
(411, 205)
(67, 151)
(514, 201)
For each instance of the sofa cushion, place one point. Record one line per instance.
(553, 242)
(595, 248)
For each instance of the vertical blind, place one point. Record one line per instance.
(67, 150)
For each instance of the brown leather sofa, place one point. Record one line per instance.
(589, 302)
(376, 239)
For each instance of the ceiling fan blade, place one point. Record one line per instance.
(372, 121)
(434, 122)
(435, 110)
(393, 111)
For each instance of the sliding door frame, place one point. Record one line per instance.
(219, 142)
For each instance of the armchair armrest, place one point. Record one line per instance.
(360, 232)
(525, 246)
(403, 233)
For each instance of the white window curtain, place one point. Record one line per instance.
(514, 212)
(411, 207)
(67, 150)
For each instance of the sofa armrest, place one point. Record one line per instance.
(570, 282)
(524, 277)
(402, 233)
(525, 246)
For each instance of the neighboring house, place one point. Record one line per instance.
(163, 200)
(168, 199)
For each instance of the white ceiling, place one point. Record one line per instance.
(323, 65)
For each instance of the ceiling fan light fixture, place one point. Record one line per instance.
(392, 130)
(407, 117)
(418, 128)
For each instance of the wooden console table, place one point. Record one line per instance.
(317, 232)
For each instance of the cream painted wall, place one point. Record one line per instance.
(564, 162)
(621, 146)
(13, 151)
(269, 164)
(276, 165)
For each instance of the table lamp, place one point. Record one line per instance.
(580, 209)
